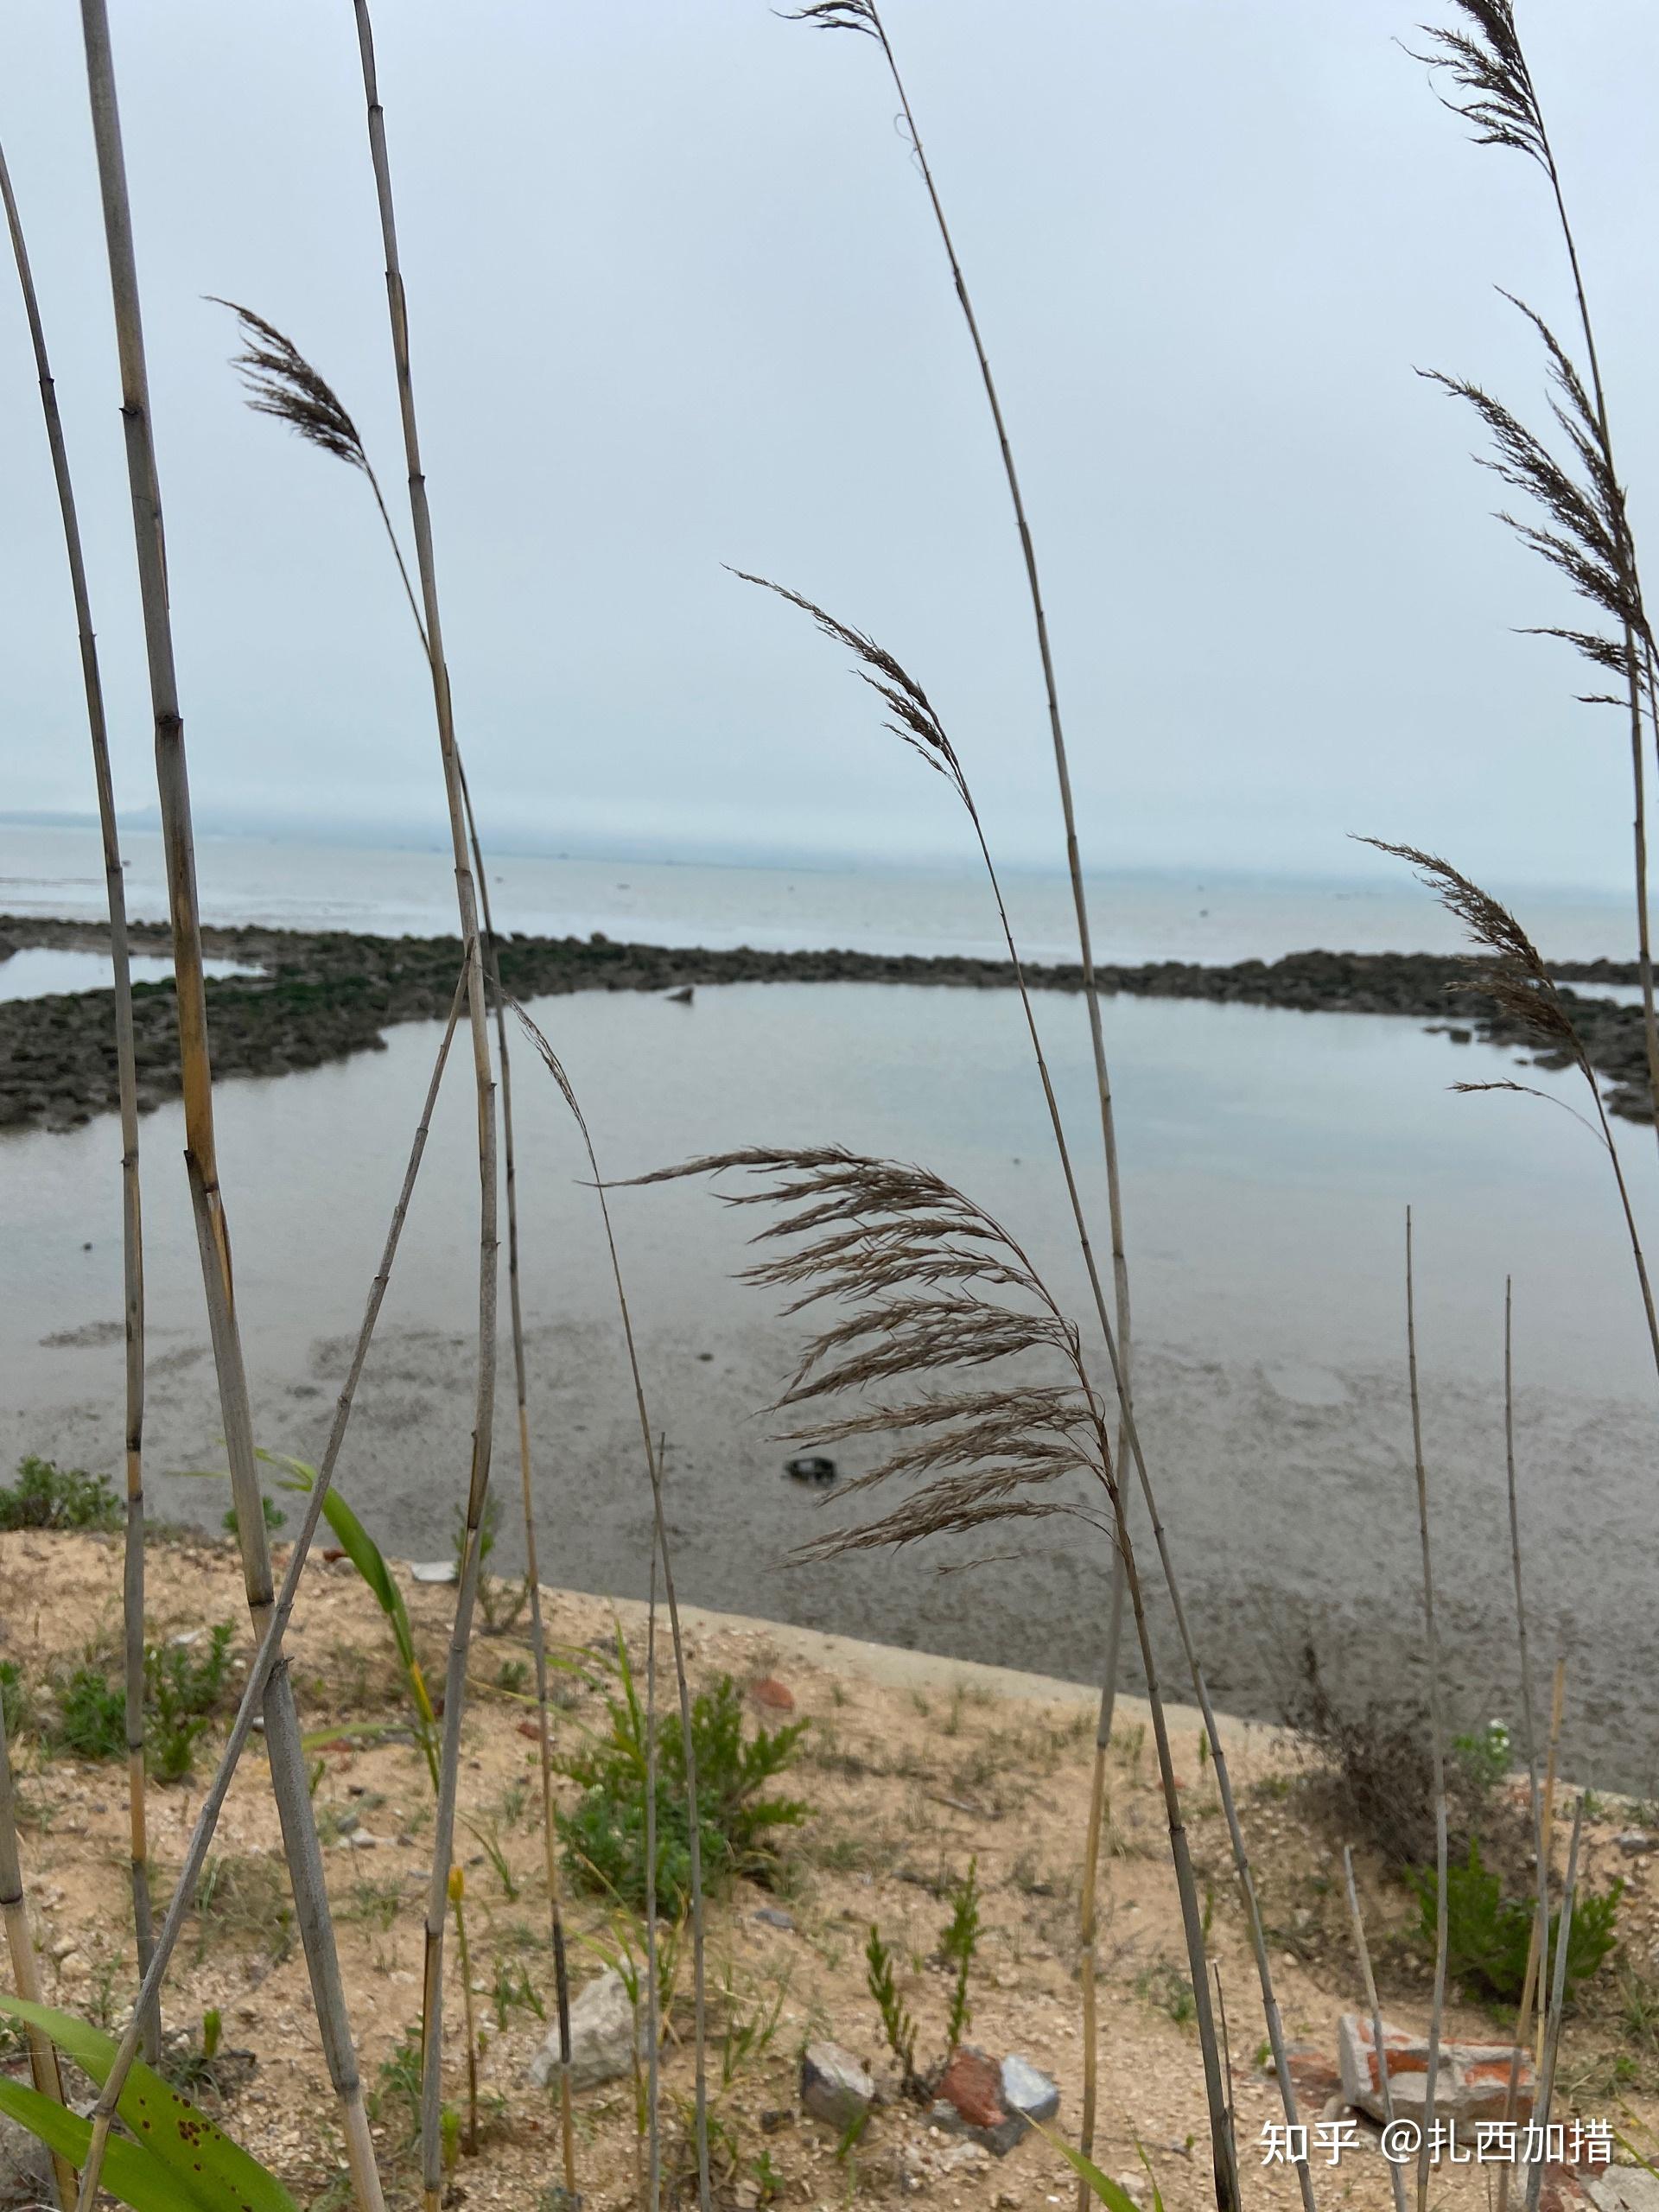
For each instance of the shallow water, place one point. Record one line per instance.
(1269, 1159)
(38, 971)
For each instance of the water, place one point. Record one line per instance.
(1143, 917)
(1269, 1159)
(40, 971)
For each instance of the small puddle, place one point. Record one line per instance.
(41, 971)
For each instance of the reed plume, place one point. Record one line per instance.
(1585, 532)
(863, 17)
(918, 724)
(132, 1234)
(1509, 969)
(467, 900)
(284, 385)
(288, 1765)
(935, 1288)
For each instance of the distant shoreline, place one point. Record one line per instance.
(324, 995)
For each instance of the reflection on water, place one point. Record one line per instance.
(41, 971)
(1270, 1157)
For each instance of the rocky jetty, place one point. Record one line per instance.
(321, 996)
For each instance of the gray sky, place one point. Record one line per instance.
(676, 301)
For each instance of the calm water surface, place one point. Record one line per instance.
(1270, 1158)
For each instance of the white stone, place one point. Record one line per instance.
(605, 2036)
(836, 2088)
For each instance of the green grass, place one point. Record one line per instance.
(46, 1496)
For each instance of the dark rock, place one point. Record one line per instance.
(836, 2088)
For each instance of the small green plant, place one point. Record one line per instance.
(274, 1516)
(958, 1943)
(395, 2101)
(183, 1690)
(1486, 1756)
(1489, 1936)
(512, 1676)
(46, 1496)
(500, 1602)
(1169, 1989)
(768, 2181)
(897, 2024)
(489, 1838)
(605, 1834)
(513, 1987)
(92, 1715)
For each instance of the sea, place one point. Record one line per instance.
(1269, 1159)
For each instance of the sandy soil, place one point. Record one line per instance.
(912, 1767)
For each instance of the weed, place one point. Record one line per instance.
(243, 1904)
(513, 1987)
(1485, 1756)
(959, 1943)
(92, 1715)
(1167, 1988)
(499, 1601)
(512, 1676)
(605, 1836)
(181, 1692)
(1489, 1934)
(46, 1496)
(896, 2023)
(275, 1518)
(376, 1903)
(490, 1839)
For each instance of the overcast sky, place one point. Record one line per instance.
(676, 302)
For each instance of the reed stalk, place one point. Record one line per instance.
(916, 724)
(1541, 1923)
(1496, 96)
(466, 893)
(1374, 2006)
(268, 1654)
(532, 1569)
(1540, 1947)
(1556, 2012)
(653, 1462)
(865, 17)
(288, 1762)
(132, 1241)
(1437, 1729)
(653, 1986)
(20, 1944)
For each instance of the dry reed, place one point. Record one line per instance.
(864, 17)
(916, 724)
(269, 1653)
(1437, 1731)
(288, 1765)
(1514, 975)
(132, 1238)
(479, 1480)
(1586, 534)
(25, 1967)
(555, 1067)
